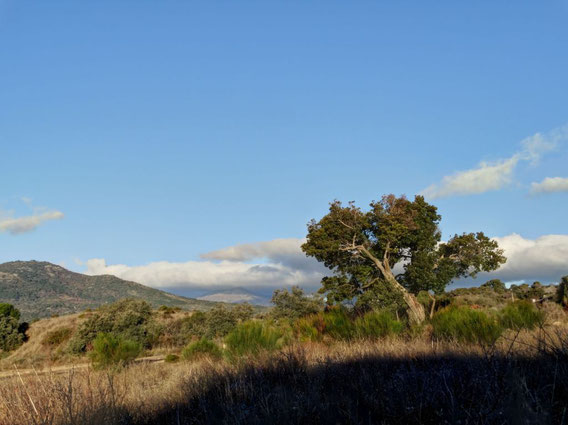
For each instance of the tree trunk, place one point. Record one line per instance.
(415, 310)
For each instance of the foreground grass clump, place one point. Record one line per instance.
(521, 315)
(465, 325)
(113, 350)
(377, 324)
(253, 337)
(202, 348)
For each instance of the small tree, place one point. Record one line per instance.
(12, 332)
(113, 350)
(496, 285)
(362, 248)
(294, 303)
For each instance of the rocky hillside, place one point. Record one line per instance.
(41, 289)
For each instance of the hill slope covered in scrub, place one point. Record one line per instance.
(41, 289)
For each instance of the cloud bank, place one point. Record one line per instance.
(490, 176)
(280, 263)
(26, 224)
(550, 184)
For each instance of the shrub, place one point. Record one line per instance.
(294, 304)
(57, 337)
(310, 328)
(202, 348)
(377, 324)
(171, 358)
(12, 333)
(496, 285)
(254, 336)
(465, 325)
(219, 322)
(520, 315)
(113, 350)
(338, 324)
(129, 318)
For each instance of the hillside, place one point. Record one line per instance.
(41, 289)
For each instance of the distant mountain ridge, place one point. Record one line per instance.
(41, 289)
(235, 295)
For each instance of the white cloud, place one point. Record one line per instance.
(489, 176)
(27, 223)
(544, 259)
(484, 178)
(284, 265)
(550, 184)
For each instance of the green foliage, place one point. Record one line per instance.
(219, 322)
(562, 292)
(465, 325)
(377, 324)
(253, 337)
(361, 247)
(496, 285)
(130, 319)
(171, 358)
(381, 297)
(8, 310)
(202, 348)
(11, 335)
(338, 324)
(294, 304)
(521, 315)
(113, 350)
(57, 336)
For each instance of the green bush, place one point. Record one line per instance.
(338, 324)
(254, 336)
(310, 328)
(131, 319)
(12, 333)
(113, 350)
(520, 315)
(202, 348)
(294, 304)
(171, 358)
(562, 292)
(57, 336)
(465, 325)
(377, 324)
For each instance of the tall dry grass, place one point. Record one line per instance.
(390, 381)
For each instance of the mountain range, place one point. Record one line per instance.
(236, 295)
(41, 289)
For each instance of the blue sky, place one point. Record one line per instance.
(152, 132)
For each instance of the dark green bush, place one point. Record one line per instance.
(562, 292)
(12, 333)
(294, 304)
(377, 324)
(113, 350)
(202, 348)
(131, 319)
(57, 336)
(520, 315)
(338, 324)
(254, 336)
(465, 325)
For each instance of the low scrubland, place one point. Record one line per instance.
(470, 362)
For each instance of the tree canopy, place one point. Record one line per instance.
(396, 243)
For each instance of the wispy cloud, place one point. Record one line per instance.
(550, 184)
(490, 176)
(18, 225)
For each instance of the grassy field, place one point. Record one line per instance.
(521, 379)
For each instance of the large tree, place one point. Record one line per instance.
(363, 247)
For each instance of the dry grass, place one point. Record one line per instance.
(34, 352)
(364, 382)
